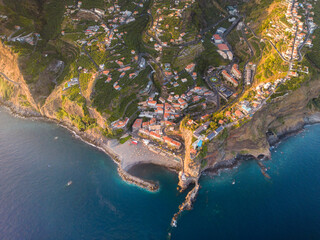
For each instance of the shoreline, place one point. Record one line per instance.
(230, 164)
(90, 140)
(123, 167)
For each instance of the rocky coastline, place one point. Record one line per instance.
(273, 141)
(101, 143)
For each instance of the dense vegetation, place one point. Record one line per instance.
(256, 11)
(106, 95)
(133, 38)
(314, 54)
(209, 57)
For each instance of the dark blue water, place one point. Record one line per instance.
(35, 202)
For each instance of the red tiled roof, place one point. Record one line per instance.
(217, 37)
(223, 47)
(137, 123)
(155, 135)
(171, 141)
(238, 113)
(152, 102)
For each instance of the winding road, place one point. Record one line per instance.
(9, 80)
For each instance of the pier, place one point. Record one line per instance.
(187, 204)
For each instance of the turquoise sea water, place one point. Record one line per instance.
(38, 159)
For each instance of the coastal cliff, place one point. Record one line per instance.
(14, 89)
(276, 120)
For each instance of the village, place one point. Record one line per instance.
(153, 115)
(244, 109)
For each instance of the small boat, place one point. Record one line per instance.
(233, 182)
(55, 138)
(69, 183)
(174, 223)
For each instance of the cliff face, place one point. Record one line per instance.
(42, 88)
(11, 75)
(37, 98)
(274, 121)
(54, 104)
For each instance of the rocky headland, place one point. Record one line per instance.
(277, 120)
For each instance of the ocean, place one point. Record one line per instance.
(38, 159)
